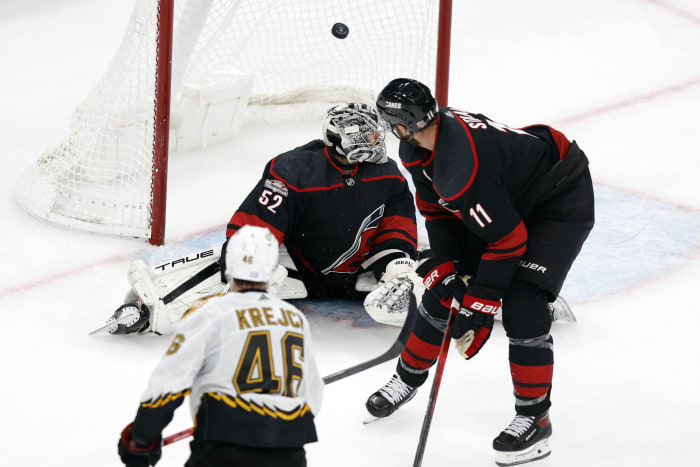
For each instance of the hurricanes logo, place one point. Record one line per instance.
(350, 181)
(350, 260)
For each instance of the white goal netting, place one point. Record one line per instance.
(276, 54)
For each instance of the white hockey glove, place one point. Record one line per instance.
(388, 303)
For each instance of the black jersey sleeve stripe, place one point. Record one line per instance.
(432, 211)
(505, 250)
(401, 231)
(510, 246)
(402, 223)
(385, 236)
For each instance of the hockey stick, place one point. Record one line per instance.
(428, 418)
(178, 436)
(393, 352)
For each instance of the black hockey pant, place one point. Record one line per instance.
(218, 454)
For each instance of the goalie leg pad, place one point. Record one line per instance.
(144, 287)
(282, 284)
(171, 289)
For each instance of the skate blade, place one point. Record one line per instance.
(120, 320)
(371, 419)
(537, 451)
(561, 311)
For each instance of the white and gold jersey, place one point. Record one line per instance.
(246, 360)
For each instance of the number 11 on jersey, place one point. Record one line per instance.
(478, 213)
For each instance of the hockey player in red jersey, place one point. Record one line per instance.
(511, 208)
(341, 210)
(226, 354)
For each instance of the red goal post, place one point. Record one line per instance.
(189, 73)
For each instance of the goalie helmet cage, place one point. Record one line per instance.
(109, 175)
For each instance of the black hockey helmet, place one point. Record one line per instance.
(407, 102)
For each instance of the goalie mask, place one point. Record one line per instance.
(251, 255)
(353, 131)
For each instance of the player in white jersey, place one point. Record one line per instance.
(245, 359)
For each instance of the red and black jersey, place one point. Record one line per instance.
(490, 177)
(331, 217)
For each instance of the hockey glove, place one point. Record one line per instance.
(388, 303)
(133, 455)
(441, 279)
(472, 325)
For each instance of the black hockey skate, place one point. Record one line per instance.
(390, 397)
(526, 439)
(129, 318)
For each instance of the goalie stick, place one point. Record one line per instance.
(391, 353)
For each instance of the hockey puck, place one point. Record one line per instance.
(340, 30)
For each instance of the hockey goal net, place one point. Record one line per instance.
(229, 58)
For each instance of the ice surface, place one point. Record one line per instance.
(622, 78)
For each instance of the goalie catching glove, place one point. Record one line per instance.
(472, 324)
(388, 303)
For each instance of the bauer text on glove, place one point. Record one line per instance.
(472, 325)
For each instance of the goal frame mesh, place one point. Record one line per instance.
(96, 206)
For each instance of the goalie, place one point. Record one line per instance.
(341, 210)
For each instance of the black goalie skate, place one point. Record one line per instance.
(127, 319)
(390, 397)
(526, 439)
